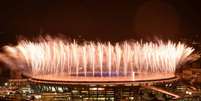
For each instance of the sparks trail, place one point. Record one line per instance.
(60, 57)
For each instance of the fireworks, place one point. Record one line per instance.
(54, 56)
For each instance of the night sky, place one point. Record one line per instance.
(99, 19)
(102, 20)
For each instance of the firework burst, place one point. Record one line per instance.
(54, 56)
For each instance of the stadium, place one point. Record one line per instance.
(98, 71)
